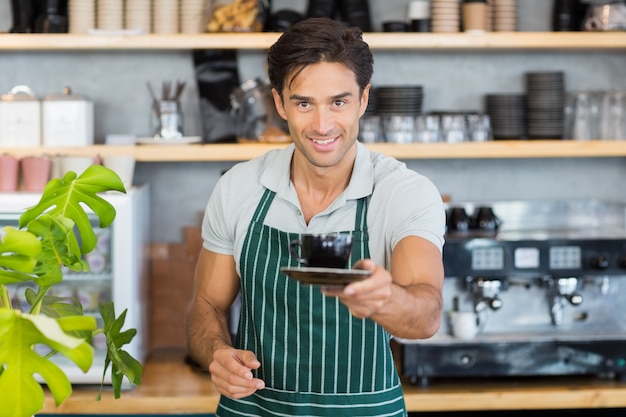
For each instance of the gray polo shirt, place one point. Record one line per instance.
(403, 203)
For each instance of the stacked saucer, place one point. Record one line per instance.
(110, 14)
(81, 15)
(545, 103)
(191, 16)
(507, 113)
(504, 15)
(138, 15)
(399, 100)
(445, 16)
(165, 16)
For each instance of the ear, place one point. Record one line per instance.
(365, 96)
(278, 102)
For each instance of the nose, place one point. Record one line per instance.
(322, 121)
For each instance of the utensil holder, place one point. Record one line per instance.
(169, 121)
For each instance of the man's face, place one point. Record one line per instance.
(322, 106)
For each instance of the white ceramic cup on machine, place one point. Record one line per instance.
(464, 325)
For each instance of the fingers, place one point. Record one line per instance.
(364, 298)
(379, 280)
(231, 372)
(249, 359)
(367, 264)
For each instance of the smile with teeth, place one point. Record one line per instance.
(324, 142)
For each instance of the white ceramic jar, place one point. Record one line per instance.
(20, 118)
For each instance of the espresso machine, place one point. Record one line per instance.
(544, 284)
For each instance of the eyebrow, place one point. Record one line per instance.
(296, 97)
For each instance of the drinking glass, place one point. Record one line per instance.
(370, 129)
(479, 127)
(454, 128)
(613, 125)
(399, 128)
(582, 113)
(427, 128)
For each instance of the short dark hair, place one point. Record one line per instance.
(319, 40)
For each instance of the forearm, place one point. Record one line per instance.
(412, 312)
(207, 330)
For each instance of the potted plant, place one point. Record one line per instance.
(53, 235)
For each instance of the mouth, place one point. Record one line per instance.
(324, 142)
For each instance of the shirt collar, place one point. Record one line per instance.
(276, 172)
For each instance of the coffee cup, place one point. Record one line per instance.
(330, 250)
(123, 166)
(457, 220)
(464, 325)
(78, 164)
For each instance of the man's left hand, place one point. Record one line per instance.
(366, 297)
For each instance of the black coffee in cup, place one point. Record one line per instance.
(323, 250)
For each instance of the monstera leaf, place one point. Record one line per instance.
(122, 364)
(59, 248)
(19, 333)
(18, 256)
(57, 307)
(64, 196)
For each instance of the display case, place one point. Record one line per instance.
(118, 273)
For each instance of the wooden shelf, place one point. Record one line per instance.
(262, 41)
(241, 152)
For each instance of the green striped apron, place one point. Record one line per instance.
(316, 358)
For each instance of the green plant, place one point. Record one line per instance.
(53, 234)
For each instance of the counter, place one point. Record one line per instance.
(171, 386)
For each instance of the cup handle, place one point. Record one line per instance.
(293, 248)
(593, 24)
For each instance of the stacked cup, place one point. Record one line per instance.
(110, 14)
(445, 15)
(138, 15)
(192, 16)
(504, 15)
(81, 15)
(165, 16)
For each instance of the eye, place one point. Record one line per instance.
(303, 105)
(339, 103)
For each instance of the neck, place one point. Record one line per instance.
(318, 187)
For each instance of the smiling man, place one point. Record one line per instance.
(302, 349)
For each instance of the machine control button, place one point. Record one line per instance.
(466, 360)
(600, 262)
(565, 257)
